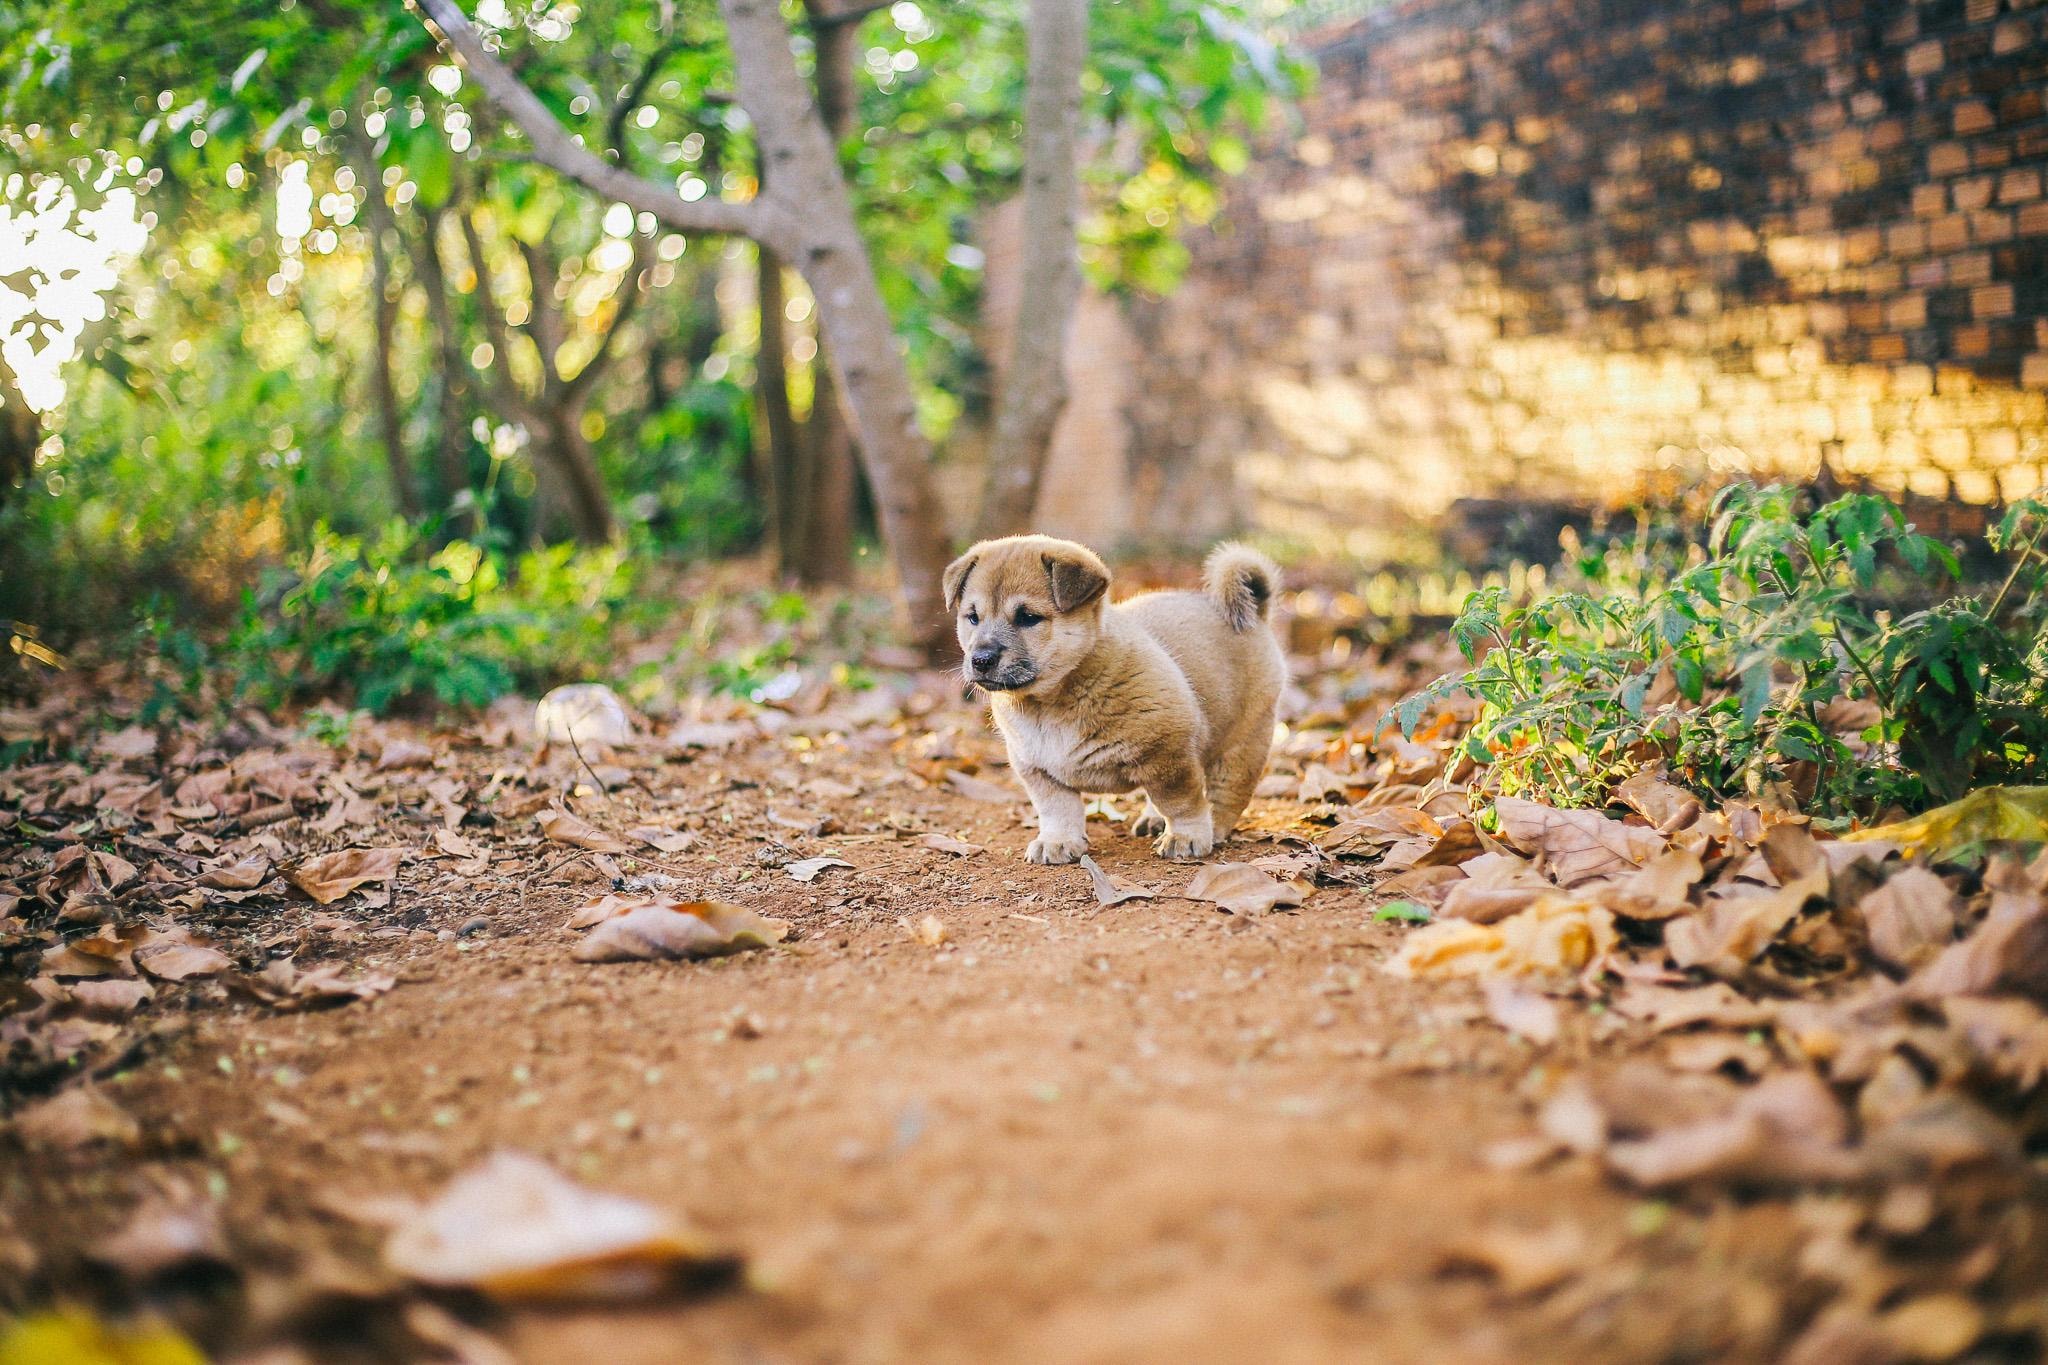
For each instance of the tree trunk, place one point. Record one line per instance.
(828, 540)
(451, 465)
(383, 383)
(1034, 390)
(853, 322)
(21, 431)
(573, 463)
(805, 215)
(784, 449)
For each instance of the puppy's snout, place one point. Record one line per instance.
(985, 657)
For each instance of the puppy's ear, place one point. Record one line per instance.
(1077, 578)
(954, 581)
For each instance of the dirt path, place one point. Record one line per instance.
(1146, 1132)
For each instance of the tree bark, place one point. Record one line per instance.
(21, 431)
(783, 448)
(553, 413)
(806, 216)
(451, 465)
(1034, 390)
(828, 437)
(384, 312)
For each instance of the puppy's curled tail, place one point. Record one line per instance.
(1243, 582)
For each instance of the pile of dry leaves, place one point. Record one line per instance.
(1747, 1006)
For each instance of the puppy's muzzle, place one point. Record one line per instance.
(985, 668)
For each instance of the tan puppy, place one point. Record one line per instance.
(1170, 691)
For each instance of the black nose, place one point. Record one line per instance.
(984, 657)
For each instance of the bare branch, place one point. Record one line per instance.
(498, 375)
(631, 290)
(554, 147)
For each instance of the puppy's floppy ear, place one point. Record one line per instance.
(954, 581)
(1077, 578)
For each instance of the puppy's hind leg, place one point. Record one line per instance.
(1062, 818)
(1180, 793)
(1235, 773)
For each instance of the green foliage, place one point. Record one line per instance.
(1400, 912)
(390, 626)
(1741, 668)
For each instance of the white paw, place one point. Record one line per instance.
(1150, 825)
(1182, 844)
(1054, 852)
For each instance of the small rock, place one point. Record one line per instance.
(474, 925)
(583, 714)
(446, 936)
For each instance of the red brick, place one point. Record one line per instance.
(1974, 116)
(1948, 158)
(2016, 187)
(1992, 301)
(1972, 193)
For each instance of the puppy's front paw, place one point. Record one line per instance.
(1181, 844)
(1053, 852)
(1150, 825)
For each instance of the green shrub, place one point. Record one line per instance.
(391, 625)
(1737, 668)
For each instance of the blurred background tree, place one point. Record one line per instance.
(354, 291)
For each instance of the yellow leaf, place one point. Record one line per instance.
(73, 1337)
(2019, 814)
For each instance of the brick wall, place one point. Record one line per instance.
(1573, 248)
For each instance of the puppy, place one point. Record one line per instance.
(1170, 691)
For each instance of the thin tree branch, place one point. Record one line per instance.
(632, 290)
(497, 375)
(554, 147)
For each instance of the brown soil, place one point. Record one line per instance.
(1150, 1132)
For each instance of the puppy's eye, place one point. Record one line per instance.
(973, 617)
(1026, 617)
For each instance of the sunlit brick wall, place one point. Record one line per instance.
(1570, 249)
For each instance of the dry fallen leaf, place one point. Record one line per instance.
(931, 931)
(981, 789)
(1557, 934)
(514, 1228)
(245, 874)
(282, 985)
(1659, 889)
(181, 961)
(664, 840)
(167, 1232)
(331, 876)
(1786, 1130)
(404, 753)
(1521, 1261)
(1111, 889)
(2007, 952)
(565, 828)
(1520, 1010)
(1575, 845)
(1242, 890)
(1911, 918)
(810, 869)
(77, 1118)
(1496, 885)
(1667, 806)
(127, 745)
(1731, 931)
(110, 999)
(1716, 1002)
(946, 843)
(660, 930)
